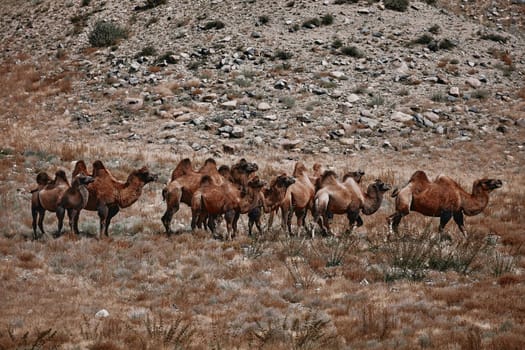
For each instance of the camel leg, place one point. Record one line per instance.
(34, 214)
(458, 218)
(41, 215)
(76, 216)
(112, 211)
(443, 220)
(167, 217)
(102, 211)
(229, 217)
(394, 221)
(353, 220)
(61, 212)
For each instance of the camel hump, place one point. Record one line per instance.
(356, 175)
(419, 176)
(183, 168)
(316, 167)
(60, 175)
(98, 168)
(206, 180)
(80, 168)
(329, 176)
(42, 178)
(299, 169)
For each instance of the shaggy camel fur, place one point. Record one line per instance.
(298, 199)
(47, 196)
(346, 197)
(442, 198)
(108, 195)
(184, 182)
(213, 200)
(75, 199)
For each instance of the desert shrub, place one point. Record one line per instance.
(147, 51)
(167, 56)
(176, 334)
(264, 19)
(308, 331)
(352, 51)
(282, 54)
(501, 264)
(443, 44)
(333, 250)
(424, 39)
(430, 2)
(337, 43)
(376, 100)
(216, 24)
(439, 97)
(494, 37)
(28, 340)
(327, 19)
(435, 29)
(396, 5)
(85, 2)
(342, 2)
(312, 22)
(106, 34)
(480, 94)
(150, 4)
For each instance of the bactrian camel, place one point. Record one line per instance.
(347, 197)
(108, 195)
(443, 198)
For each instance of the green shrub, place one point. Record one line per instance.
(283, 54)
(424, 39)
(337, 43)
(264, 19)
(495, 37)
(327, 19)
(396, 5)
(214, 25)
(435, 29)
(352, 51)
(147, 51)
(106, 34)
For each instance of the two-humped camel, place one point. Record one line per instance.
(185, 181)
(107, 195)
(58, 196)
(212, 200)
(346, 197)
(443, 198)
(297, 200)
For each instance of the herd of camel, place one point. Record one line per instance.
(228, 191)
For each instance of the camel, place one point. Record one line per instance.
(184, 182)
(335, 197)
(213, 200)
(76, 198)
(443, 198)
(47, 196)
(107, 195)
(298, 199)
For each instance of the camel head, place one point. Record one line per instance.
(356, 175)
(487, 185)
(283, 180)
(83, 179)
(80, 168)
(144, 175)
(42, 178)
(299, 169)
(380, 186)
(246, 167)
(256, 183)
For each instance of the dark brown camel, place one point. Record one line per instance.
(108, 195)
(47, 196)
(442, 198)
(184, 182)
(214, 200)
(335, 197)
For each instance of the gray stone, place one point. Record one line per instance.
(454, 91)
(263, 106)
(431, 116)
(369, 122)
(401, 117)
(521, 122)
(102, 313)
(475, 83)
(230, 104)
(237, 132)
(337, 75)
(290, 144)
(352, 98)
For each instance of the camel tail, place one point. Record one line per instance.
(395, 192)
(164, 193)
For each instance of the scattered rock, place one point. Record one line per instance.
(263, 106)
(454, 91)
(473, 82)
(102, 313)
(401, 117)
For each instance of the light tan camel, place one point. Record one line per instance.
(297, 200)
(442, 198)
(108, 195)
(347, 197)
(47, 196)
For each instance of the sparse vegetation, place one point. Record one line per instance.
(216, 24)
(494, 37)
(106, 34)
(283, 54)
(397, 5)
(352, 51)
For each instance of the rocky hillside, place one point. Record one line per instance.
(310, 76)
